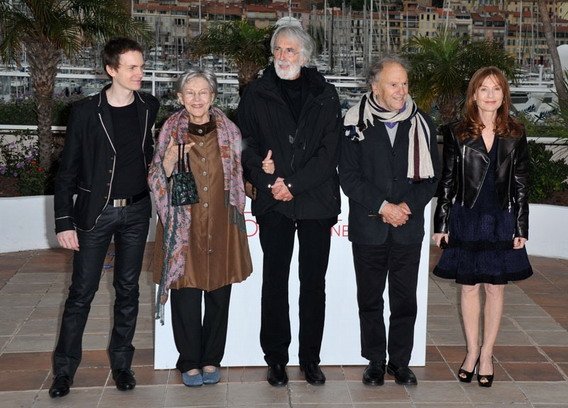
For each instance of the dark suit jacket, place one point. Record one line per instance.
(88, 160)
(372, 171)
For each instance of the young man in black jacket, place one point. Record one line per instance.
(105, 162)
(291, 122)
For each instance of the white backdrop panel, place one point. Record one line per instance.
(340, 345)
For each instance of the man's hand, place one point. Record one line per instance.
(395, 214)
(68, 239)
(438, 237)
(280, 191)
(405, 208)
(268, 163)
(519, 242)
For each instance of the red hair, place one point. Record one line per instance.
(471, 125)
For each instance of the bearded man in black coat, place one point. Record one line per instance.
(290, 119)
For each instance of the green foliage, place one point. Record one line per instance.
(33, 180)
(243, 44)
(64, 25)
(23, 112)
(546, 175)
(17, 154)
(19, 161)
(441, 67)
(553, 126)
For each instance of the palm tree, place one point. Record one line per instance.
(48, 29)
(561, 89)
(441, 67)
(241, 43)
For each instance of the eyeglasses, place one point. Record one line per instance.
(203, 94)
(287, 52)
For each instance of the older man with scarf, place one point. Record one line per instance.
(389, 170)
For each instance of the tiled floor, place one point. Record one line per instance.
(531, 357)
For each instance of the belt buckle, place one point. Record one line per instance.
(120, 202)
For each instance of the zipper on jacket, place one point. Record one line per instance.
(463, 175)
(511, 175)
(293, 151)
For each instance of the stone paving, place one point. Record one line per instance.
(531, 358)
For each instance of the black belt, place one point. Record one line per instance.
(123, 202)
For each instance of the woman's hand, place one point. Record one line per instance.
(268, 163)
(439, 237)
(519, 242)
(171, 156)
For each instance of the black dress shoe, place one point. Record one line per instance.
(124, 379)
(60, 386)
(402, 375)
(374, 374)
(277, 376)
(312, 373)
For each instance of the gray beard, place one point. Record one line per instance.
(289, 74)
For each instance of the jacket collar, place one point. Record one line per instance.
(315, 81)
(106, 117)
(476, 144)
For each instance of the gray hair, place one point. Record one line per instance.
(197, 73)
(377, 67)
(307, 45)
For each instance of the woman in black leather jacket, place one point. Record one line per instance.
(481, 218)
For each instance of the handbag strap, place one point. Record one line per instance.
(181, 164)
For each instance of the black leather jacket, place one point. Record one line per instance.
(465, 165)
(88, 160)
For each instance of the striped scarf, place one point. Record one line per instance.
(363, 115)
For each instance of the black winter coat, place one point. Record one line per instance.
(305, 154)
(465, 165)
(88, 160)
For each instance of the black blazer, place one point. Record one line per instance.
(305, 153)
(88, 160)
(465, 166)
(372, 171)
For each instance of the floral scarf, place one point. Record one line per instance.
(177, 219)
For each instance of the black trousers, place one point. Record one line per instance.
(129, 226)
(277, 233)
(200, 344)
(373, 264)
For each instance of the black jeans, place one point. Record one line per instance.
(277, 234)
(200, 343)
(373, 263)
(129, 226)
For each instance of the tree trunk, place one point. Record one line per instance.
(561, 90)
(43, 59)
(247, 72)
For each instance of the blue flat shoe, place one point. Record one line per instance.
(212, 377)
(195, 380)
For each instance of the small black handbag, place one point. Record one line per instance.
(184, 189)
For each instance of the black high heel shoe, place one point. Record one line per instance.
(486, 380)
(466, 376)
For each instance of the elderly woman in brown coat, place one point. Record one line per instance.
(201, 248)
